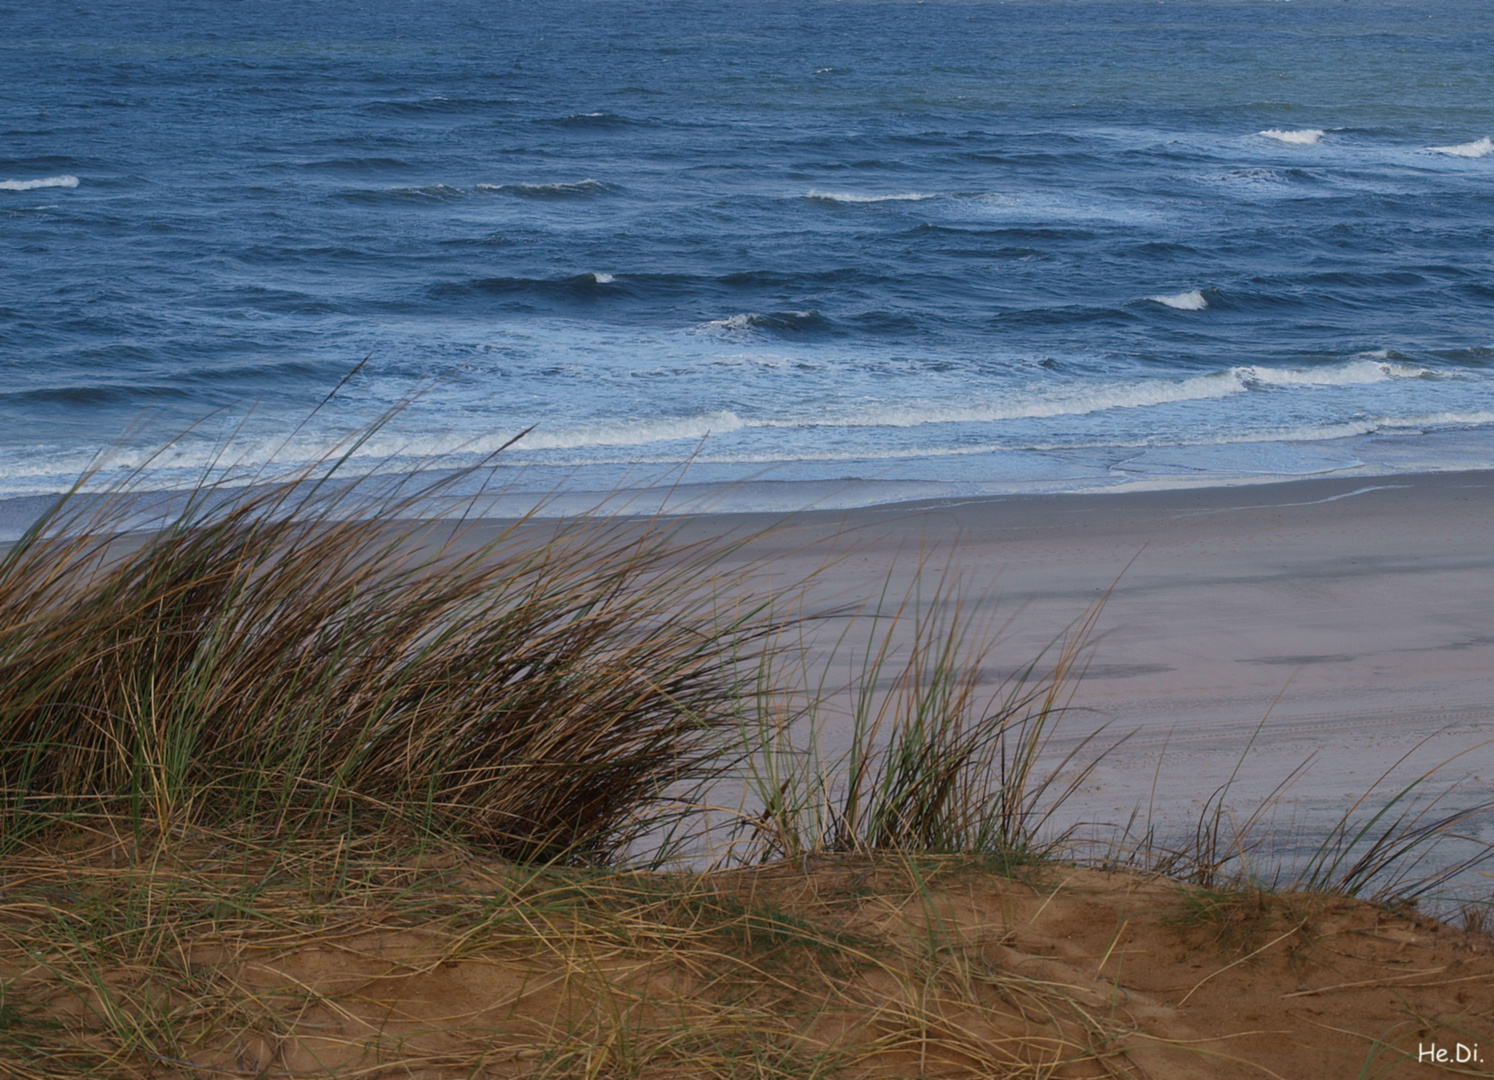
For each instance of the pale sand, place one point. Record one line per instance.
(1363, 608)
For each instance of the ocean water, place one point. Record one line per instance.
(890, 248)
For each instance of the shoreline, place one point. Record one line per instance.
(699, 485)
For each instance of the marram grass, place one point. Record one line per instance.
(290, 654)
(309, 654)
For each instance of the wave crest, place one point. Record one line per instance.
(577, 189)
(781, 321)
(1476, 149)
(632, 432)
(1192, 300)
(1355, 372)
(1300, 137)
(851, 197)
(57, 181)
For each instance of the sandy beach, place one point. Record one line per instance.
(1352, 615)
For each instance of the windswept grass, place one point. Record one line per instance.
(1387, 846)
(292, 655)
(311, 654)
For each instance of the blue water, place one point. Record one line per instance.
(944, 247)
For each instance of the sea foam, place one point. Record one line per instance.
(1476, 149)
(59, 181)
(752, 320)
(1193, 300)
(1356, 372)
(1068, 401)
(578, 188)
(1301, 137)
(849, 197)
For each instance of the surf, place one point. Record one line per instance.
(1476, 149)
(1300, 137)
(55, 182)
(1192, 300)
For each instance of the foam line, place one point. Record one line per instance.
(54, 181)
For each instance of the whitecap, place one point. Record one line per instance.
(752, 320)
(601, 278)
(1193, 300)
(850, 197)
(429, 191)
(548, 191)
(254, 455)
(1441, 420)
(732, 322)
(1301, 137)
(1476, 149)
(44, 182)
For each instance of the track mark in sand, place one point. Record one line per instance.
(1328, 658)
(1476, 642)
(1124, 671)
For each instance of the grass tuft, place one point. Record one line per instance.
(295, 655)
(934, 762)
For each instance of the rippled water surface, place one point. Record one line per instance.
(975, 246)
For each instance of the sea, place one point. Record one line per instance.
(793, 252)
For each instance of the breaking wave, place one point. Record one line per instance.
(633, 432)
(778, 321)
(1476, 149)
(848, 197)
(1356, 372)
(1301, 137)
(576, 189)
(1193, 300)
(59, 181)
(1072, 401)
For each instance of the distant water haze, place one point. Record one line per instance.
(920, 247)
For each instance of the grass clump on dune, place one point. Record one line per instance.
(934, 761)
(292, 655)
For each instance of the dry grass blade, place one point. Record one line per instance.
(320, 961)
(293, 653)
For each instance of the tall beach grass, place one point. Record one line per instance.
(293, 655)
